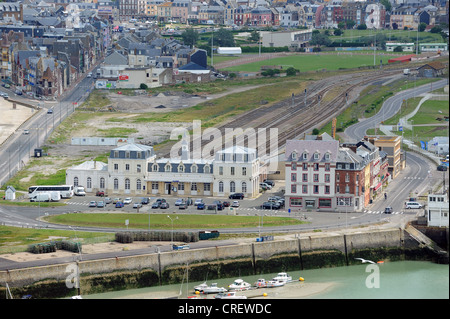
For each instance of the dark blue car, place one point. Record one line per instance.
(119, 204)
(201, 206)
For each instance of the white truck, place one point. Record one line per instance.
(42, 197)
(79, 191)
(55, 196)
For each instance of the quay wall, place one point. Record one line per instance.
(304, 252)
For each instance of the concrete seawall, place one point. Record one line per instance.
(261, 251)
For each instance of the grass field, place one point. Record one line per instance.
(160, 221)
(315, 62)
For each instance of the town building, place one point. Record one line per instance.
(437, 210)
(134, 169)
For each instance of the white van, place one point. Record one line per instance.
(411, 205)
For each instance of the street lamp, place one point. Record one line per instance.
(172, 228)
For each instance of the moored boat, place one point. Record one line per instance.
(282, 276)
(229, 295)
(201, 287)
(213, 289)
(239, 284)
(275, 283)
(260, 283)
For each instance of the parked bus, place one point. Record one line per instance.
(66, 191)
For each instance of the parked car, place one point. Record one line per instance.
(145, 201)
(100, 193)
(180, 247)
(236, 196)
(137, 205)
(183, 205)
(164, 205)
(198, 201)
(265, 186)
(117, 199)
(26, 132)
(226, 204)
(212, 207)
(156, 204)
(127, 200)
(218, 204)
(119, 204)
(50, 111)
(93, 203)
(108, 200)
(270, 205)
(201, 206)
(269, 182)
(235, 204)
(178, 202)
(442, 168)
(100, 204)
(388, 210)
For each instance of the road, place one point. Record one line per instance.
(390, 107)
(17, 150)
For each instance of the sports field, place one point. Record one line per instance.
(317, 61)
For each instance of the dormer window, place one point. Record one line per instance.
(194, 168)
(327, 156)
(316, 156)
(305, 156)
(168, 167)
(294, 156)
(181, 168)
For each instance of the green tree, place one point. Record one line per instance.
(362, 26)
(350, 24)
(320, 39)
(190, 36)
(338, 32)
(290, 71)
(387, 4)
(422, 26)
(254, 36)
(223, 38)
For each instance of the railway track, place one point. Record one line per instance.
(300, 113)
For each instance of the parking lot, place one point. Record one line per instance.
(179, 204)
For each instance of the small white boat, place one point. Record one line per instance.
(201, 287)
(213, 289)
(275, 283)
(229, 295)
(260, 283)
(282, 276)
(239, 284)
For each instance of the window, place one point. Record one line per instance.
(168, 168)
(89, 182)
(75, 181)
(127, 167)
(207, 169)
(293, 177)
(155, 167)
(327, 189)
(316, 156)
(127, 154)
(180, 168)
(220, 170)
(232, 170)
(138, 168)
(293, 188)
(138, 184)
(244, 171)
(181, 186)
(316, 177)
(325, 202)
(194, 187)
(245, 157)
(338, 177)
(139, 155)
(347, 178)
(305, 156)
(194, 168)
(305, 166)
(116, 184)
(305, 178)
(294, 155)
(116, 154)
(155, 185)
(327, 167)
(316, 166)
(102, 183)
(316, 189)
(347, 189)
(293, 166)
(327, 178)
(207, 187)
(327, 156)
(232, 187)
(304, 189)
(244, 187)
(296, 201)
(127, 183)
(116, 167)
(220, 187)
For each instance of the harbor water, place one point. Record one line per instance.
(391, 280)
